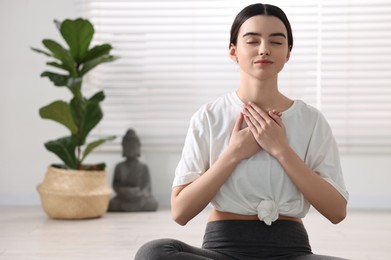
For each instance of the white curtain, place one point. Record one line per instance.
(174, 58)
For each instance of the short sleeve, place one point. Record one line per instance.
(196, 150)
(323, 156)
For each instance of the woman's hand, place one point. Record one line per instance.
(267, 128)
(269, 131)
(242, 142)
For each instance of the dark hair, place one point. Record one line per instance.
(259, 9)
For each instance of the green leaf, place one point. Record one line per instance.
(100, 166)
(91, 146)
(58, 24)
(65, 149)
(58, 79)
(57, 65)
(97, 51)
(93, 167)
(89, 65)
(41, 51)
(60, 112)
(87, 113)
(78, 35)
(98, 97)
(93, 114)
(61, 54)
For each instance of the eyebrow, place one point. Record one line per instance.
(258, 34)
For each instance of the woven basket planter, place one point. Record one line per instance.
(74, 194)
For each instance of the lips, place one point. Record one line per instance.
(263, 61)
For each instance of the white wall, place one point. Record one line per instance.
(23, 158)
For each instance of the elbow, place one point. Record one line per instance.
(179, 218)
(337, 220)
(338, 217)
(180, 221)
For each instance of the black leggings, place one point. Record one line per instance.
(238, 240)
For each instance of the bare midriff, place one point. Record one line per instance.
(216, 215)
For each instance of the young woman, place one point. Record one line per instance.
(260, 169)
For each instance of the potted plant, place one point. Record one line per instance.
(73, 189)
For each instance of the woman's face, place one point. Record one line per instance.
(262, 47)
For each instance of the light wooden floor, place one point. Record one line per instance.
(27, 234)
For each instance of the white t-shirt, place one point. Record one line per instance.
(259, 185)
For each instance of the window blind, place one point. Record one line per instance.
(174, 58)
(355, 73)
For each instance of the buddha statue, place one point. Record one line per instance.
(131, 180)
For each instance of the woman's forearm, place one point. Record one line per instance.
(321, 194)
(189, 200)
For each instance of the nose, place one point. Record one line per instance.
(263, 50)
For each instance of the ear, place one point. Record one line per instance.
(232, 53)
(288, 55)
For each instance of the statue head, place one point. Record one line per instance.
(131, 145)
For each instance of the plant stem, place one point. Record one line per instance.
(78, 99)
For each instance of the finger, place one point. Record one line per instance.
(258, 110)
(263, 119)
(251, 126)
(278, 113)
(253, 117)
(276, 117)
(253, 114)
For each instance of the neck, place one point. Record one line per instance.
(264, 93)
